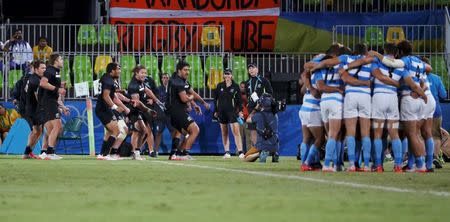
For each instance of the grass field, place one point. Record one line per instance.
(79, 188)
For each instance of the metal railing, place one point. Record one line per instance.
(274, 63)
(426, 38)
(361, 6)
(124, 38)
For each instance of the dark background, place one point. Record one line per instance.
(48, 11)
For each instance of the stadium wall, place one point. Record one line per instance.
(307, 32)
(209, 141)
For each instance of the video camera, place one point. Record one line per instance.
(268, 102)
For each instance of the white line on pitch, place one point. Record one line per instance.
(294, 177)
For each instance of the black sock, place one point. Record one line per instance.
(240, 152)
(227, 152)
(43, 151)
(185, 152)
(50, 150)
(104, 151)
(109, 145)
(175, 144)
(28, 150)
(113, 151)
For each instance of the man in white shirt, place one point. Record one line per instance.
(22, 54)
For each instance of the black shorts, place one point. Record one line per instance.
(105, 116)
(119, 116)
(148, 119)
(33, 120)
(226, 117)
(180, 119)
(162, 123)
(49, 111)
(133, 117)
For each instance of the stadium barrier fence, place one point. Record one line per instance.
(361, 6)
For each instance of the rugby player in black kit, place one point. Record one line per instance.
(49, 105)
(136, 91)
(180, 95)
(31, 107)
(106, 108)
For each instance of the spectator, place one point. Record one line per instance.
(22, 54)
(7, 119)
(42, 50)
(245, 132)
(163, 121)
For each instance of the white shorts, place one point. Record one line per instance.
(357, 105)
(428, 108)
(310, 118)
(385, 106)
(410, 108)
(330, 109)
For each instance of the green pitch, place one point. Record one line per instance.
(79, 188)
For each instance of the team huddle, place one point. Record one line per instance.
(351, 92)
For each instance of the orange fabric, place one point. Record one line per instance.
(244, 105)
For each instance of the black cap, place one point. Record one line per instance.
(228, 71)
(251, 65)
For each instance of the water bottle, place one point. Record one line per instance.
(240, 120)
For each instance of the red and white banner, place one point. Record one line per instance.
(249, 25)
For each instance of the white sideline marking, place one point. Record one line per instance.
(309, 179)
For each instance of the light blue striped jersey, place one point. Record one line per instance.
(310, 103)
(415, 68)
(395, 74)
(331, 77)
(362, 73)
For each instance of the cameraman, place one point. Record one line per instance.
(265, 120)
(254, 88)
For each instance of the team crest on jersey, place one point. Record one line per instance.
(232, 90)
(189, 118)
(186, 86)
